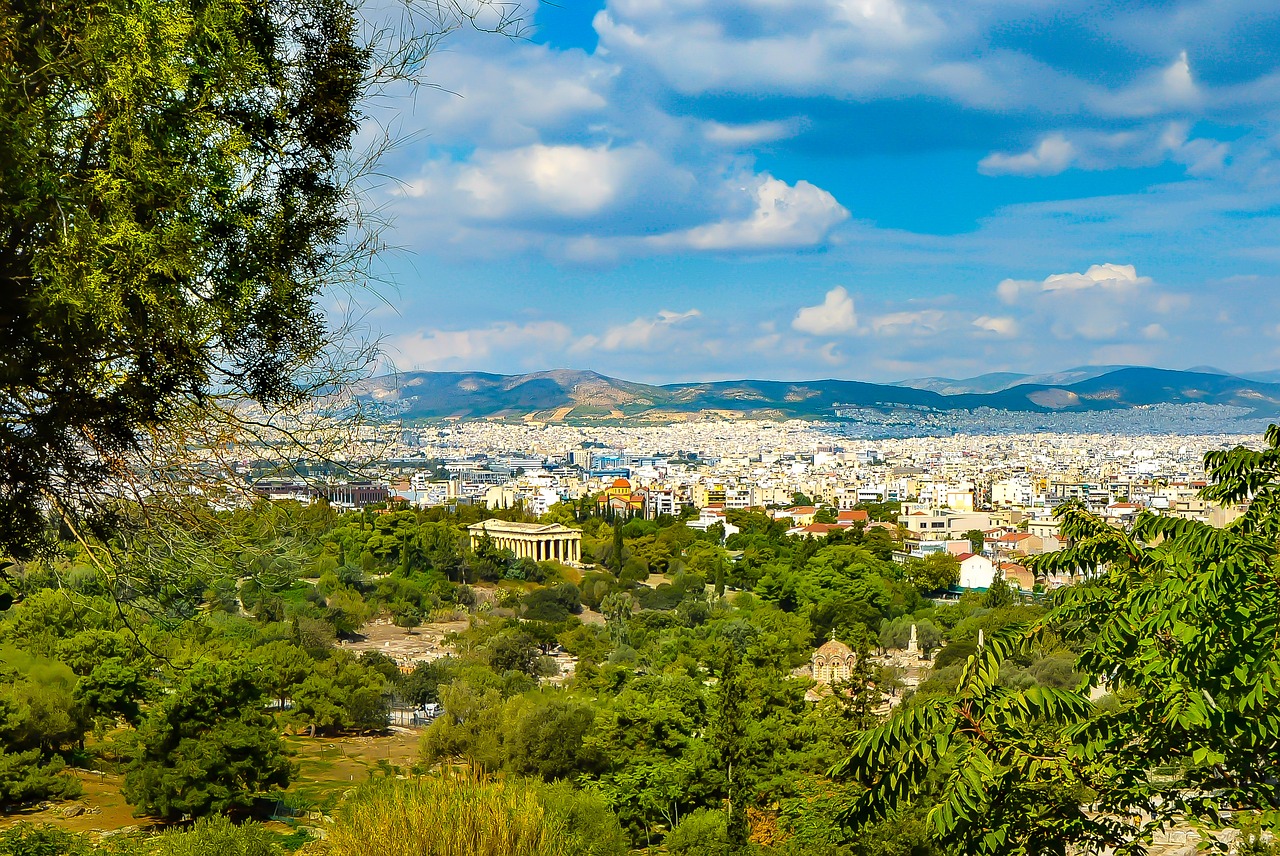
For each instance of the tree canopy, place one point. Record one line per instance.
(172, 203)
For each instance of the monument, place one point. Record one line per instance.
(538, 541)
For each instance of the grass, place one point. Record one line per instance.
(451, 813)
(329, 767)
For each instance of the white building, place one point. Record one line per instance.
(976, 571)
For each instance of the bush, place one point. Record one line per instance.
(453, 814)
(592, 829)
(27, 840)
(217, 836)
(702, 833)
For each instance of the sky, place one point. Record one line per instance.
(674, 190)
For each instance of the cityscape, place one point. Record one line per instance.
(639, 428)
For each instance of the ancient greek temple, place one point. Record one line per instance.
(541, 542)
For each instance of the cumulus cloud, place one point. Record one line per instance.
(1106, 302)
(1114, 278)
(568, 181)
(638, 334)
(1051, 155)
(1147, 144)
(783, 216)
(834, 316)
(501, 93)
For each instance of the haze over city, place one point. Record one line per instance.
(706, 190)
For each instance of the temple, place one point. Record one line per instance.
(541, 542)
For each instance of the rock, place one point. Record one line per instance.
(73, 811)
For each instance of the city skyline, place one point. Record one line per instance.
(877, 191)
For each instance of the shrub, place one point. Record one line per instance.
(451, 814)
(217, 836)
(702, 833)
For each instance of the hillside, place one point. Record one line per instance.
(568, 395)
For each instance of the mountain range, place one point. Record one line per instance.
(571, 395)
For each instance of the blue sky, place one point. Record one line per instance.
(666, 190)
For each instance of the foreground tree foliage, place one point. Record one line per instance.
(172, 203)
(1180, 623)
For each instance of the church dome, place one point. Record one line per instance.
(834, 648)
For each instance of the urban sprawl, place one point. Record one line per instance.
(812, 475)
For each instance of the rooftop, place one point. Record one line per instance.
(516, 528)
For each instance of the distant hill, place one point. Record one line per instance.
(568, 395)
(999, 381)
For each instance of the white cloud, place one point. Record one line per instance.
(784, 216)
(638, 334)
(568, 181)
(1001, 326)
(1112, 277)
(834, 316)
(751, 133)
(1051, 155)
(495, 93)
(431, 349)
(1147, 144)
(1170, 89)
(921, 322)
(1106, 302)
(1106, 276)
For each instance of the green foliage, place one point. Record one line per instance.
(206, 748)
(934, 572)
(217, 836)
(28, 840)
(174, 200)
(452, 814)
(340, 694)
(702, 832)
(1184, 634)
(40, 717)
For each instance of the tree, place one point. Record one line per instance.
(340, 694)
(179, 195)
(406, 616)
(977, 540)
(173, 206)
(615, 557)
(208, 748)
(40, 717)
(934, 572)
(1185, 635)
(729, 739)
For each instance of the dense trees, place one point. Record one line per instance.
(684, 717)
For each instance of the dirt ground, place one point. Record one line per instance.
(422, 644)
(101, 809)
